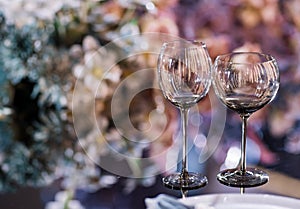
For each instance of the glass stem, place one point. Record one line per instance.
(184, 116)
(243, 145)
(184, 193)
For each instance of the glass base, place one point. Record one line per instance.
(190, 182)
(235, 178)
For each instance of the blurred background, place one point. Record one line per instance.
(63, 62)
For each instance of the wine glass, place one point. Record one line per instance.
(184, 76)
(245, 82)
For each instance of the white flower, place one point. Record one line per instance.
(23, 11)
(63, 199)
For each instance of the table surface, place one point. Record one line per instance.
(280, 183)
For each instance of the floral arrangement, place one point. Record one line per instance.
(32, 104)
(45, 59)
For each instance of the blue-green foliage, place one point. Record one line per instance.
(31, 137)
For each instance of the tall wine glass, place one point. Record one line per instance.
(184, 76)
(245, 82)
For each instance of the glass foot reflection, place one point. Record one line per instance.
(235, 178)
(189, 182)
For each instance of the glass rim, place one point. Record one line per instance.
(268, 57)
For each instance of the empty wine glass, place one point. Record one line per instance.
(245, 82)
(184, 76)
